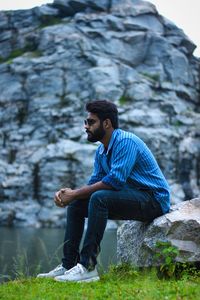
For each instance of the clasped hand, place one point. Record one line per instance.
(64, 197)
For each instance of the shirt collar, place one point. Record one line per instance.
(113, 136)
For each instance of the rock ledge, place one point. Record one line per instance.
(181, 226)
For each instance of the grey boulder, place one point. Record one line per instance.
(136, 241)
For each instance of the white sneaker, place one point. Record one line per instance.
(59, 270)
(80, 274)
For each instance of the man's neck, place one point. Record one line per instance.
(106, 139)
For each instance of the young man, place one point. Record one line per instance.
(126, 184)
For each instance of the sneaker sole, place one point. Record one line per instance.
(48, 276)
(90, 279)
(83, 280)
(43, 276)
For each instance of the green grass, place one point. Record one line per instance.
(50, 21)
(13, 54)
(119, 284)
(19, 52)
(154, 77)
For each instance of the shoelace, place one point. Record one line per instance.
(77, 269)
(58, 268)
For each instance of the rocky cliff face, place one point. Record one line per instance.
(55, 58)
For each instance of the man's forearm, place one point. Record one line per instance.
(87, 190)
(65, 196)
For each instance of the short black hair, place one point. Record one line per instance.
(104, 109)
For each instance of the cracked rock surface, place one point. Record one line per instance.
(55, 58)
(136, 242)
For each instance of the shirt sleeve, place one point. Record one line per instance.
(123, 159)
(98, 172)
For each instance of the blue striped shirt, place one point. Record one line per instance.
(128, 161)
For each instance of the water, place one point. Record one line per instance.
(30, 250)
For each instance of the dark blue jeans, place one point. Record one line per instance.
(127, 204)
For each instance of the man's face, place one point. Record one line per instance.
(94, 128)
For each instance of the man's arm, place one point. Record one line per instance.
(66, 196)
(98, 172)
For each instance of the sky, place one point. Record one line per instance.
(184, 13)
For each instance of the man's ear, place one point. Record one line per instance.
(107, 123)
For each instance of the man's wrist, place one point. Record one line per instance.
(76, 193)
(83, 192)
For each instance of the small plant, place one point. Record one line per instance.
(123, 100)
(35, 54)
(154, 77)
(19, 52)
(177, 123)
(15, 53)
(123, 270)
(21, 266)
(187, 270)
(165, 256)
(50, 21)
(3, 270)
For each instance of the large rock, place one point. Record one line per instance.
(55, 58)
(136, 241)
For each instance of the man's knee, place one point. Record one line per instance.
(99, 199)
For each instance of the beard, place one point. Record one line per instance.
(97, 135)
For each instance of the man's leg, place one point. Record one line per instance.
(127, 204)
(77, 211)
